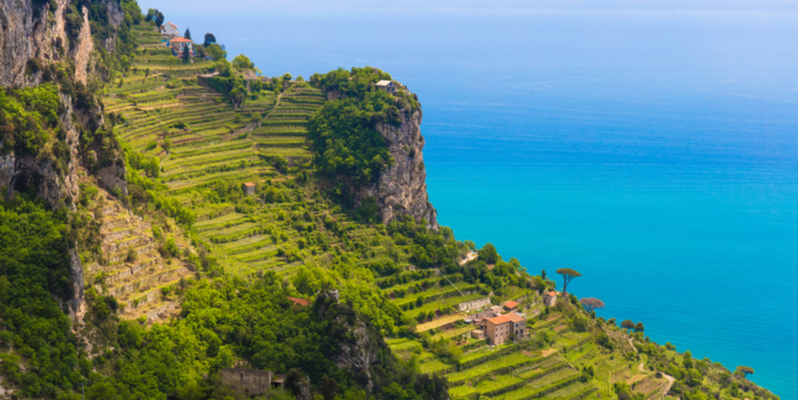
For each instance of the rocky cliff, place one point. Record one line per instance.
(401, 190)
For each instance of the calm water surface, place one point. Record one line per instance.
(653, 150)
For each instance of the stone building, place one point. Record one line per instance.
(251, 382)
(474, 304)
(498, 329)
(549, 298)
(386, 85)
(249, 188)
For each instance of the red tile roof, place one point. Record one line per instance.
(510, 304)
(511, 317)
(300, 302)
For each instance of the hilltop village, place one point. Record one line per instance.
(175, 225)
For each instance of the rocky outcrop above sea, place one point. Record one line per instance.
(401, 189)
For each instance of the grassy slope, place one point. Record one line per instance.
(211, 143)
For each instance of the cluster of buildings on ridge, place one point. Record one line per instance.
(175, 41)
(498, 327)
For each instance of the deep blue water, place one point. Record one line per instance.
(652, 149)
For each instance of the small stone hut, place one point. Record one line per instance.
(250, 382)
(549, 298)
(249, 188)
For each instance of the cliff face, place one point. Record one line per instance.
(401, 190)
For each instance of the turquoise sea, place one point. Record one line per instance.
(652, 146)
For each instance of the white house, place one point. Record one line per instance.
(386, 86)
(169, 29)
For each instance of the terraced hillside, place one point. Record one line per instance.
(204, 146)
(132, 269)
(205, 150)
(549, 364)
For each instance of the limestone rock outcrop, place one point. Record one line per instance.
(401, 189)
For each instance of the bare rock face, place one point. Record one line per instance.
(401, 190)
(25, 33)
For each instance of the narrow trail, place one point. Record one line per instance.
(164, 160)
(670, 379)
(253, 125)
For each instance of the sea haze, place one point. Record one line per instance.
(652, 146)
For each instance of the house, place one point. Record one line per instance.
(177, 44)
(169, 30)
(549, 298)
(510, 305)
(386, 86)
(497, 310)
(250, 382)
(479, 334)
(474, 304)
(249, 188)
(300, 302)
(498, 329)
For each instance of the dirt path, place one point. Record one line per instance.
(670, 379)
(253, 125)
(470, 256)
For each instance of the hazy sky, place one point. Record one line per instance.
(467, 7)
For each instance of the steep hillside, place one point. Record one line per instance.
(165, 218)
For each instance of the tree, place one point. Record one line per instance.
(590, 304)
(568, 274)
(159, 18)
(745, 370)
(208, 39)
(544, 274)
(627, 324)
(488, 254)
(187, 34)
(186, 53)
(151, 14)
(639, 327)
(242, 62)
(215, 51)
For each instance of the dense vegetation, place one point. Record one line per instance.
(349, 150)
(187, 151)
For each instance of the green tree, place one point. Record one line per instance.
(488, 254)
(745, 370)
(639, 327)
(215, 51)
(627, 324)
(187, 34)
(242, 62)
(208, 39)
(568, 274)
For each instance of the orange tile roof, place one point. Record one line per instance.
(249, 184)
(511, 304)
(180, 39)
(300, 302)
(511, 317)
(552, 294)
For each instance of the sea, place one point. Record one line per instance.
(651, 146)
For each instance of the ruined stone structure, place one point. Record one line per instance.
(251, 382)
(474, 304)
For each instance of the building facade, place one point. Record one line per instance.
(386, 85)
(169, 30)
(549, 298)
(474, 304)
(499, 329)
(250, 382)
